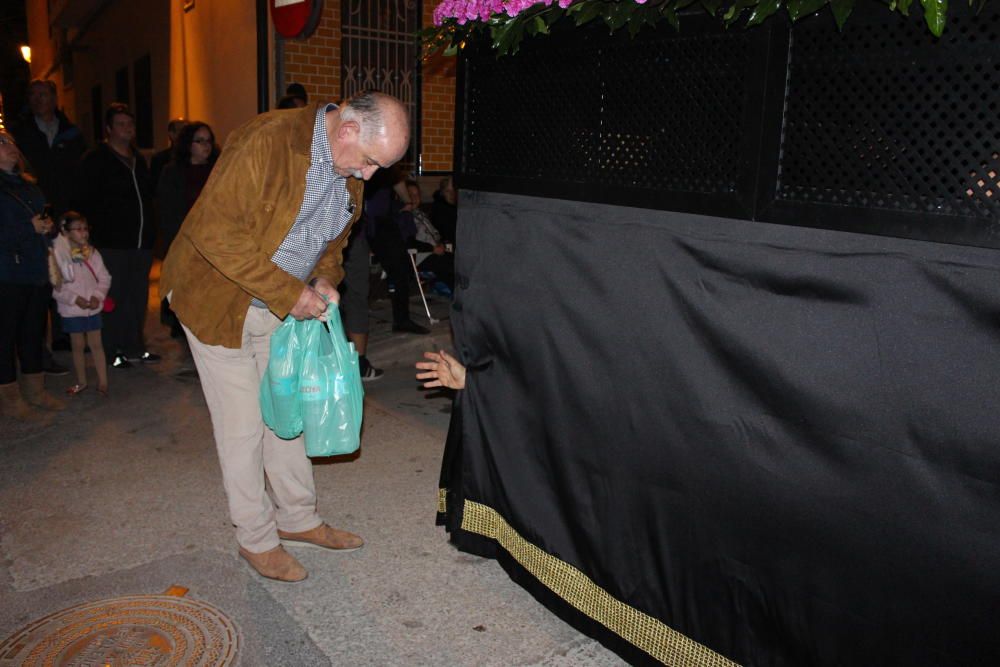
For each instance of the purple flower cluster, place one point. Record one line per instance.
(464, 11)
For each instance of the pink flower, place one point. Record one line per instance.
(463, 11)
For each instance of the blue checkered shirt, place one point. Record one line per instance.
(324, 213)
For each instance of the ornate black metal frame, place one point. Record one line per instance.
(881, 129)
(378, 53)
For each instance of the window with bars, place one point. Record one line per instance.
(379, 52)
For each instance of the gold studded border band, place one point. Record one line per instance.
(442, 501)
(639, 629)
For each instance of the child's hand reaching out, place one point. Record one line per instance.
(443, 370)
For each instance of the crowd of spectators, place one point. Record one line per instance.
(116, 210)
(103, 200)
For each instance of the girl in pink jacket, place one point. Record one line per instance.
(81, 297)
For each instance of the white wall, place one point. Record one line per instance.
(213, 55)
(123, 33)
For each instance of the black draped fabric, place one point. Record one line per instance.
(783, 443)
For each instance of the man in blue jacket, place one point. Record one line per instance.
(51, 144)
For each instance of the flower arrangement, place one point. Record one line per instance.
(508, 22)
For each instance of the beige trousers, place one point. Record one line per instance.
(269, 481)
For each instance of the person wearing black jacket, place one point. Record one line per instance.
(52, 147)
(51, 144)
(24, 287)
(162, 158)
(182, 180)
(444, 214)
(113, 192)
(381, 209)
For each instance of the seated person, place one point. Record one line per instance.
(421, 235)
(445, 210)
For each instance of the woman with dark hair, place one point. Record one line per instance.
(182, 180)
(24, 287)
(184, 176)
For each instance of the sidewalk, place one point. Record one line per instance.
(123, 496)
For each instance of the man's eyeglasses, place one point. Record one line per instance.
(7, 141)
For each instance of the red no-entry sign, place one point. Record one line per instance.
(295, 18)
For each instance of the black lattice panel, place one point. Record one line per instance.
(695, 89)
(881, 128)
(664, 112)
(884, 116)
(534, 115)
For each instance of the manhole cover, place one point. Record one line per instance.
(150, 630)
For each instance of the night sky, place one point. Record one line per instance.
(14, 73)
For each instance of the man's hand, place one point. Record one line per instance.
(323, 286)
(41, 224)
(310, 305)
(439, 249)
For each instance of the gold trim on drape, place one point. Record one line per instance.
(643, 631)
(442, 501)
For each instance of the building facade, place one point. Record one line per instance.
(197, 59)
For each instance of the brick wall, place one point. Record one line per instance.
(438, 111)
(315, 63)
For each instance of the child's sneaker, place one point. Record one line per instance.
(119, 361)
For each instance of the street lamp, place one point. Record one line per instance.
(26, 53)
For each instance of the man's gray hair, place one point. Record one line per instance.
(365, 109)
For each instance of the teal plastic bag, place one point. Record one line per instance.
(279, 388)
(331, 397)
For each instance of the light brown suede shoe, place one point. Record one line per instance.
(275, 564)
(323, 536)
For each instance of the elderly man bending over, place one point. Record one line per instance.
(263, 241)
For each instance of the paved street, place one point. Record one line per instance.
(123, 496)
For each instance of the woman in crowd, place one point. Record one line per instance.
(182, 180)
(24, 287)
(184, 176)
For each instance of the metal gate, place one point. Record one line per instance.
(379, 52)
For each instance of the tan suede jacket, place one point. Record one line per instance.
(221, 257)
